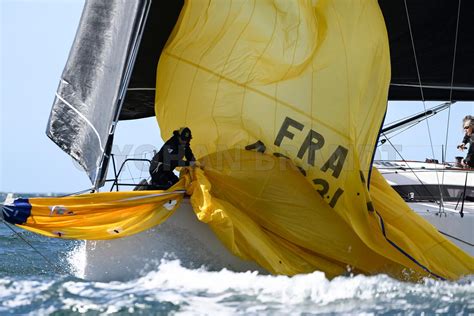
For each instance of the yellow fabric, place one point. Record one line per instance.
(102, 215)
(415, 235)
(274, 217)
(309, 79)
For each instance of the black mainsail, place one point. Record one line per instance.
(94, 81)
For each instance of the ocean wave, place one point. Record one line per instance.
(175, 289)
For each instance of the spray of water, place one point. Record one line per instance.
(173, 288)
(76, 260)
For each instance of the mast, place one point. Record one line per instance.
(102, 171)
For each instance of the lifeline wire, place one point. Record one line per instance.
(411, 169)
(411, 124)
(402, 131)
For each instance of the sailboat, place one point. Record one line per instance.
(441, 192)
(308, 79)
(438, 191)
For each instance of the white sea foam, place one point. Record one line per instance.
(175, 289)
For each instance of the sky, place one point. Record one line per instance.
(36, 36)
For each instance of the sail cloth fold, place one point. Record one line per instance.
(262, 209)
(97, 216)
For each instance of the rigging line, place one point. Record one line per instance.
(458, 239)
(141, 173)
(452, 80)
(413, 120)
(402, 131)
(413, 171)
(447, 133)
(399, 120)
(143, 156)
(130, 173)
(420, 116)
(423, 101)
(76, 193)
(414, 53)
(454, 53)
(56, 268)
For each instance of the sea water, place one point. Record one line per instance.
(33, 285)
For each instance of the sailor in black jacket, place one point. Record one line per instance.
(171, 156)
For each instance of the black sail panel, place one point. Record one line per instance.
(89, 92)
(140, 98)
(433, 30)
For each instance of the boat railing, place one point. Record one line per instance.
(115, 180)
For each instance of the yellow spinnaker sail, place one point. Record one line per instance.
(309, 80)
(271, 215)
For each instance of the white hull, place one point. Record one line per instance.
(459, 230)
(445, 216)
(181, 237)
(185, 238)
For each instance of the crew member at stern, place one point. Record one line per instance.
(468, 126)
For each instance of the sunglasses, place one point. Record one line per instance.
(466, 127)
